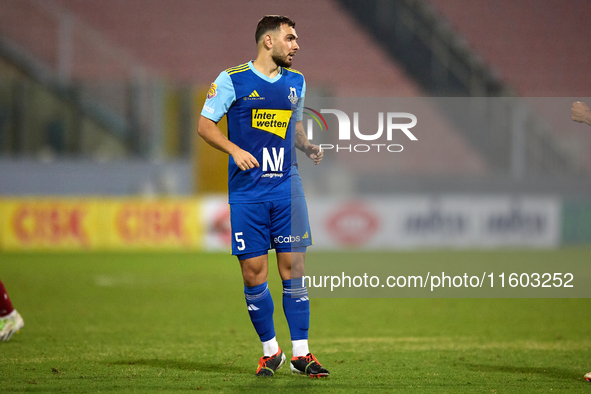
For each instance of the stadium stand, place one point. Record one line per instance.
(443, 59)
(539, 47)
(190, 41)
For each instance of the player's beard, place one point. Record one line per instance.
(281, 60)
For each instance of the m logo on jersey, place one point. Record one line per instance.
(274, 163)
(274, 121)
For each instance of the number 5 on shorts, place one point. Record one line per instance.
(242, 246)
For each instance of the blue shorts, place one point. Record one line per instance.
(281, 225)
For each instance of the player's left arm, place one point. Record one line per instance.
(314, 152)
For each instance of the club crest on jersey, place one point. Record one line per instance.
(213, 91)
(293, 96)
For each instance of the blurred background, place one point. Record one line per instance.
(99, 102)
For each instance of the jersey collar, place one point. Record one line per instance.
(263, 76)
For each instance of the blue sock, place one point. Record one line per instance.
(260, 309)
(296, 308)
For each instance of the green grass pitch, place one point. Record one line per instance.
(143, 322)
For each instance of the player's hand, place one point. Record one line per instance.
(315, 153)
(580, 112)
(244, 160)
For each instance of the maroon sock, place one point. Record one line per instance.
(5, 304)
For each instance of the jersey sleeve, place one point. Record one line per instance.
(300, 107)
(220, 97)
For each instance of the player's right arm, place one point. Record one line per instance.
(220, 97)
(210, 132)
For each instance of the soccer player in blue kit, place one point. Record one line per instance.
(263, 101)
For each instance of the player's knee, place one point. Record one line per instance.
(254, 274)
(254, 278)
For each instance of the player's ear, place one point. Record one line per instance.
(268, 40)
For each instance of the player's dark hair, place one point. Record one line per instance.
(271, 22)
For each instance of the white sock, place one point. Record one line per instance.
(300, 347)
(10, 315)
(270, 347)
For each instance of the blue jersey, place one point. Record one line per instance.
(261, 113)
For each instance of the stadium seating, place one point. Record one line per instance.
(539, 47)
(39, 37)
(183, 40)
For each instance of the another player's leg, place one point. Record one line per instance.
(588, 377)
(260, 308)
(10, 320)
(296, 307)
